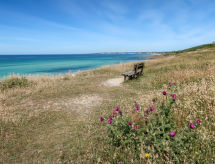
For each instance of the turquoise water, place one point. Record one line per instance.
(56, 64)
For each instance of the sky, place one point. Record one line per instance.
(89, 26)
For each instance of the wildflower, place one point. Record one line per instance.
(147, 155)
(101, 119)
(164, 92)
(119, 112)
(137, 108)
(162, 103)
(129, 123)
(174, 96)
(146, 111)
(170, 85)
(153, 100)
(109, 122)
(135, 127)
(110, 117)
(152, 108)
(173, 83)
(192, 126)
(113, 114)
(198, 121)
(116, 109)
(135, 101)
(172, 134)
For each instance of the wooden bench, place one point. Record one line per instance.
(138, 71)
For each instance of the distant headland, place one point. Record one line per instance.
(208, 45)
(152, 53)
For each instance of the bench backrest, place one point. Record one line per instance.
(138, 67)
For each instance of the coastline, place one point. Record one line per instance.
(143, 59)
(62, 75)
(155, 56)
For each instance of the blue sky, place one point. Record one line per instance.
(87, 26)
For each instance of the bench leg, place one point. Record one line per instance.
(136, 76)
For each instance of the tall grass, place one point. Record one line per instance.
(42, 124)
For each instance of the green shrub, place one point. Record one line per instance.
(66, 78)
(14, 82)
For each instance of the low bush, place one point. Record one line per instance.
(152, 134)
(14, 82)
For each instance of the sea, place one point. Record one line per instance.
(60, 64)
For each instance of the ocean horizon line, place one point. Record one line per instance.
(117, 52)
(61, 63)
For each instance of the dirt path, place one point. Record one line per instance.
(113, 82)
(82, 104)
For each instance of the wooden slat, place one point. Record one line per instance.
(129, 73)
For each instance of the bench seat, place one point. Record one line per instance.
(129, 73)
(136, 72)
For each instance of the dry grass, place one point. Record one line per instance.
(56, 119)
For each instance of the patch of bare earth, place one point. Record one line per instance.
(113, 82)
(82, 105)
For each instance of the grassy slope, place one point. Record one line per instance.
(204, 46)
(195, 48)
(60, 134)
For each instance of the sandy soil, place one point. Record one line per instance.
(83, 104)
(113, 82)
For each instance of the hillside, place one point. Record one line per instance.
(203, 47)
(56, 119)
